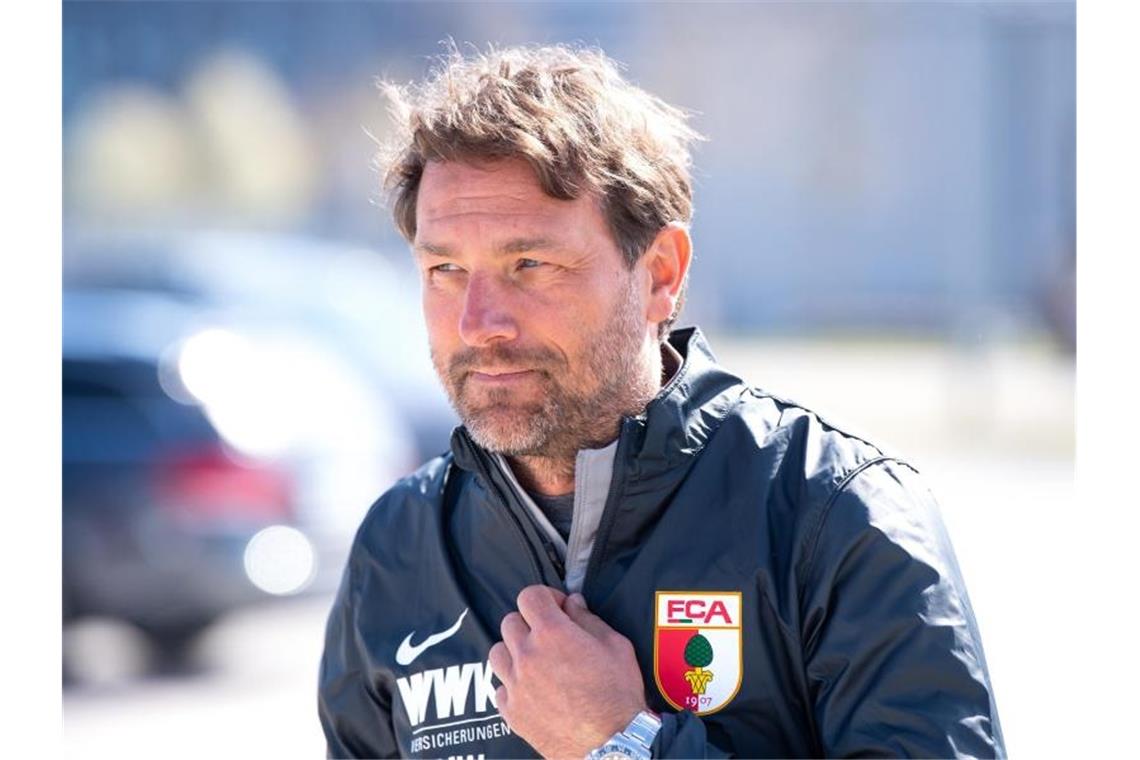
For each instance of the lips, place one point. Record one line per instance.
(499, 372)
(500, 376)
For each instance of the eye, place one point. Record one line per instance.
(446, 268)
(529, 263)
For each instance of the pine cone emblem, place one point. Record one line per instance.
(698, 652)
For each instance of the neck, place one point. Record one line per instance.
(549, 476)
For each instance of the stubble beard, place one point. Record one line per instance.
(575, 408)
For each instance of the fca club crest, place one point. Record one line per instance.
(697, 648)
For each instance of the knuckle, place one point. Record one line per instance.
(497, 656)
(619, 643)
(543, 639)
(510, 619)
(537, 637)
(523, 663)
(529, 664)
(527, 595)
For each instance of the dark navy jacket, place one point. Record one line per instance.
(854, 635)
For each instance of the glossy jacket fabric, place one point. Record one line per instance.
(857, 636)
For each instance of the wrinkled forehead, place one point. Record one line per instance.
(453, 187)
(505, 191)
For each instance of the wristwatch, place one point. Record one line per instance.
(633, 742)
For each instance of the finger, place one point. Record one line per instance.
(514, 630)
(558, 594)
(577, 611)
(540, 607)
(502, 665)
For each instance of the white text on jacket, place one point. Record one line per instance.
(448, 690)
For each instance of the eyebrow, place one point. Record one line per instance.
(513, 246)
(432, 249)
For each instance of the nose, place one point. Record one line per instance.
(487, 314)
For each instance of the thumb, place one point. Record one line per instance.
(575, 608)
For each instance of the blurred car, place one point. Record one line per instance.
(231, 406)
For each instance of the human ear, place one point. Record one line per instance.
(667, 262)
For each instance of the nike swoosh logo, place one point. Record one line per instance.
(407, 653)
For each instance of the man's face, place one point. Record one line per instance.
(538, 330)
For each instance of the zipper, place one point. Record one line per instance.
(552, 553)
(548, 546)
(507, 499)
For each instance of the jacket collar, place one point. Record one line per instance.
(679, 421)
(674, 426)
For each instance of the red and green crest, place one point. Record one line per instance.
(697, 649)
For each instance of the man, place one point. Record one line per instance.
(627, 549)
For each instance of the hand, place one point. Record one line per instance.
(570, 682)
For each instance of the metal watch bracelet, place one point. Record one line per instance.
(643, 728)
(633, 742)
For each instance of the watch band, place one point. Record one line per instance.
(633, 742)
(643, 728)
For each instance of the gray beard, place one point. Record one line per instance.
(619, 379)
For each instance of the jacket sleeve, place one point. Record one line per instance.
(893, 659)
(355, 715)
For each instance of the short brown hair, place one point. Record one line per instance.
(566, 111)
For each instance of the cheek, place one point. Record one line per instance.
(441, 316)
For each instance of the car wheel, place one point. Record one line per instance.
(174, 647)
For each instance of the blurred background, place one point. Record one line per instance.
(885, 232)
